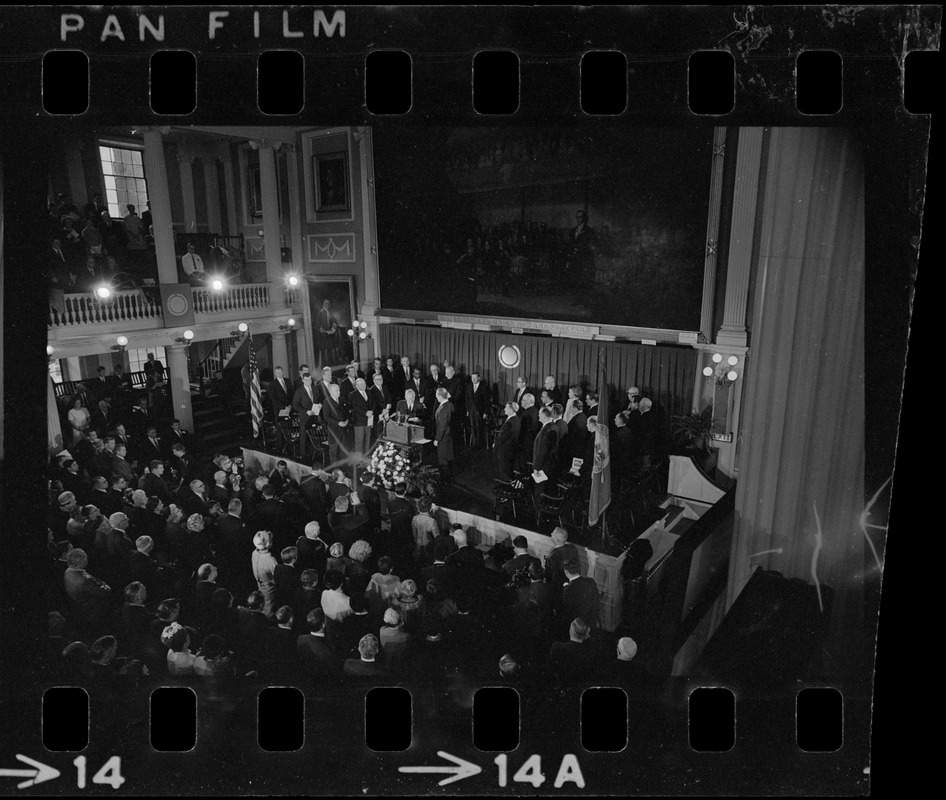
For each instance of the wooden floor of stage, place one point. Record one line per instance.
(471, 491)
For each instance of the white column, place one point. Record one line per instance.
(160, 197)
(745, 196)
(71, 371)
(212, 187)
(53, 425)
(369, 232)
(233, 224)
(77, 187)
(712, 232)
(180, 385)
(299, 255)
(280, 351)
(267, 172)
(185, 162)
(305, 349)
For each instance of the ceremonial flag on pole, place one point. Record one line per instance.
(601, 475)
(256, 394)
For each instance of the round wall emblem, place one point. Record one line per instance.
(177, 304)
(509, 356)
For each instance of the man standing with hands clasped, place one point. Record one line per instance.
(362, 415)
(443, 437)
(306, 408)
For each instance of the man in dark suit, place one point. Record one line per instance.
(562, 551)
(270, 515)
(324, 386)
(443, 435)
(529, 414)
(362, 416)
(580, 596)
(365, 668)
(154, 484)
(141, 418)
(154, 371)
(234, 547)
(478, 403)
(554, 392)
(429, 386)
(280, 396)
(303, 371)
(100, 388)
(121, 467)
(545, 452)
(570, 662)
(318, 657)
(307, 408)
(378, 368)
(522, 388)
(417, 384)
(401, 378)
(335, 416)
(347, 384)
(103, 418)
(149, 447)
(349, 522)
(381, 401)
(622, 448)
(410, 408)
(522, 559)
(577, 433)
(280, 478)
(507, 442)
(192, 498)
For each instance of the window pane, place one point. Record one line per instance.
(141, 185)
(111, 196)
(105, 153)
(137, 171)
(109, 182)
(135, 156)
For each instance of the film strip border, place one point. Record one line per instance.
(297, 65)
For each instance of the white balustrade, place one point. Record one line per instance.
(240, 297)
(87, 309)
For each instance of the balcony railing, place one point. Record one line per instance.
(86, 309)
(232, 298)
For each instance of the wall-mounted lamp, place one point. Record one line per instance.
(121, 344)
(289, 326)
(49, 353)
(292, 281)
(722, 374)
(241, 329)
(217, 284)
(186, 338)
(359, 331)
(103, 292)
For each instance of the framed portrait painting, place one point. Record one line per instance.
(331, 182)
(329, 312)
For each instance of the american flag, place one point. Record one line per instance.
(256, 394)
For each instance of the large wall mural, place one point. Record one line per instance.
(580, 224)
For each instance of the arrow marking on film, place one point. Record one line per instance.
(463, 769)
(38, 774)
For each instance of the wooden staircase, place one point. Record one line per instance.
(215, 428)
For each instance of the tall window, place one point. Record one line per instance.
(124, 180)
(55, 369)
(137, 358)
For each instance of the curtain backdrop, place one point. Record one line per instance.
(665, 374)
(802, 433)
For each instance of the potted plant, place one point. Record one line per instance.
(692, 435)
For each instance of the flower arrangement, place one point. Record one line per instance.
(389, 465)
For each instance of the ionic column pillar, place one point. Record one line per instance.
(267, 172)
(233, 224)
(77, 186)
(212, 186)
(179, 379)
(745, 196)
(185, 162)
(160, 197)
(280, 351)
(712, 232)
(299, 256)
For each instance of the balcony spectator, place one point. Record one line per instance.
(94, 209)
(79, 419)
(134, 234)
(113, 235)
(92, 238)
(193, 266)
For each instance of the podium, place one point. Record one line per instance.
(402, 432)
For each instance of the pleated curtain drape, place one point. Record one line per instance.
(802, 432)
(665, 374)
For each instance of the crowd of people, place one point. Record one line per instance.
(90, 248)
(539, 430)
(168, 566)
